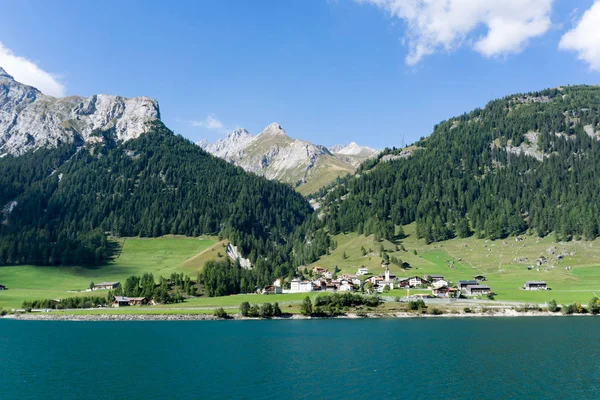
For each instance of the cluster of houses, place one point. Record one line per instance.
(324, 281)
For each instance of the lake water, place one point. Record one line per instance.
(489, 358)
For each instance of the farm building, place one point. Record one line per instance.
(476, 290)
(535, 285)
(122, 301)
(480, 278)
(272, 289)
(435, 278)
(106, 285)
(463, 284)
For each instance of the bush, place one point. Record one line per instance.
(266, 311)
(434, 311)
(306, 307)
(276, 310)
(220, 313)
(552, 306)
(416, 304)
(467, 310)
(594, 305)
(254, 311)
(244, 309)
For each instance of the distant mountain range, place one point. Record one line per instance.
(275, 155)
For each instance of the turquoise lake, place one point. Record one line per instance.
(476, 358)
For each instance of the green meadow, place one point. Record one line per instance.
(160, 256)
(573, 277)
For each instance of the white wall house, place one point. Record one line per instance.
(439, 284)
(298, 286)
(362, 271)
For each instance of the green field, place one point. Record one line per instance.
(160, 256)
(497, 260)
(494, 259)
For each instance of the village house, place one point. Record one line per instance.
(462, 285)
(2, 287)
(272, 289)
(346, 286)
(277, 282)
(435, 278)
(535, 285)
(120, 301)
(413, 281)
(357, 282)
(138, 301)
(319, 270)
(362, 271)
(298, 286)
(106, 285)
(477, 290)
(439, 284)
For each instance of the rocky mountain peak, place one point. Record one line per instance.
(30, 119)
(274, 129)
(4, 74)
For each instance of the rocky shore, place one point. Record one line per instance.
(207, 317)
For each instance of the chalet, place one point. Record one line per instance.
(535, 285)
(346, 286)
(120, 301)
(298, 286)
(319, 270)
(332, 286)
(461, 285)
(439, 284)
(480, 278)
(362, 271)
(477, 290)
(138, 301)
(2, 287)
(435, 278)
(412, 281)
(106, 285)
(271, 289)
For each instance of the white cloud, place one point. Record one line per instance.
(27, 72)
(584, 38)
(434, 25)
(210, 122)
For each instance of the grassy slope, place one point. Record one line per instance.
(161, 256)
(495, 259)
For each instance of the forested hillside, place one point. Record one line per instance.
(154, 185)
(525, 162)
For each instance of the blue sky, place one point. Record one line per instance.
(378, 72)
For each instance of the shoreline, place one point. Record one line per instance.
(295, 317)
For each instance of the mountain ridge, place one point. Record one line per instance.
(274, 154)
(30, 119)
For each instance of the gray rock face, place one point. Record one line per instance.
(30, 119)
(275, 155)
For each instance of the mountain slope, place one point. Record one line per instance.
(30, 119)
(273, 154)
(525, 162)
(156, 184)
